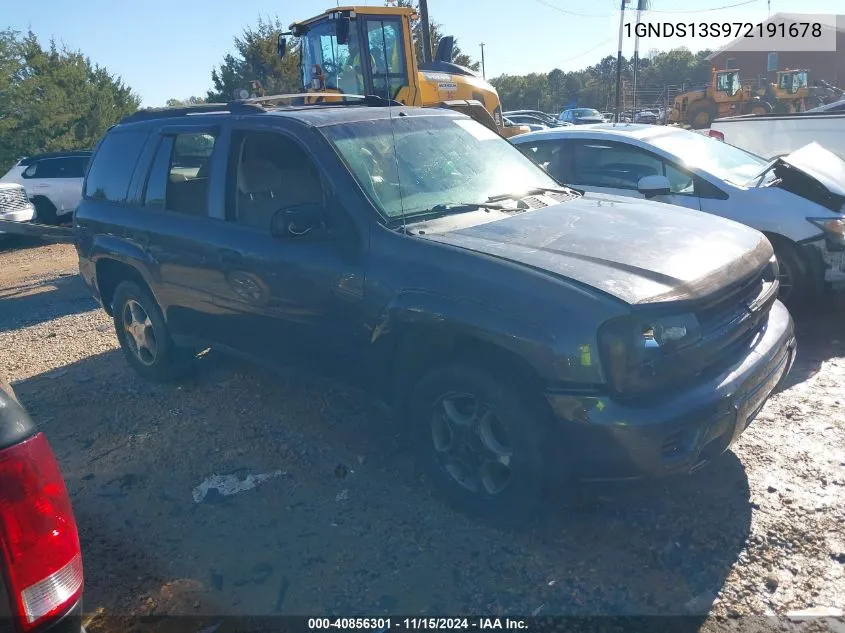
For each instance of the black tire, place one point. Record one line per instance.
(794, 274)
(758, 106)
(158, 359)
(45, 211)
(700, 114)
(498, 491)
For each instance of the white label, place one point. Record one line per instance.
(447, 86)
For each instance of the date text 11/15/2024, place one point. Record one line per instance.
(416, 624)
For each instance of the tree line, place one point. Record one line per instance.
(595, 86)
(53, 98)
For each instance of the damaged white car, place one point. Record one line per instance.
(798, 200)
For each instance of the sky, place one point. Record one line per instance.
(167, 48)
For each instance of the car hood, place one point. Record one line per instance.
(636, 251)
(811, 172)
(820, 164)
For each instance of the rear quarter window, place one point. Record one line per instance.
(113, 164)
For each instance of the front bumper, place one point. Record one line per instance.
(25, 214)
(682, 431)
(826, 261)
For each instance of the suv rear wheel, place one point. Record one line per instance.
(480, 441)
(144, 336)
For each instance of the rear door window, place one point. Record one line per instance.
(113, 165)
(179, 176)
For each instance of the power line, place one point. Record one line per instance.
(580, 15)
(590, 50)
(728, 6)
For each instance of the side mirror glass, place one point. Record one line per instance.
(282, 46)
(300, 221)
(342, 31)
(651, 186)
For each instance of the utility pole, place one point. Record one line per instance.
(619, 60)
(641, 5)
(483, 70)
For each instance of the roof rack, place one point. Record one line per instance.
(259, 104)
(76, 153)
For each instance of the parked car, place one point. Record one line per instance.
(533, 116)
(532, 127)
(773, 135)
(52, 181)
(646, 116)
(581, 116)
(607, 116)
(529, 120)
(797, 201)
(836, 106)
(41, 577)
(14, 205)
(523, 330)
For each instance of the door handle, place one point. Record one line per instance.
(230, 258)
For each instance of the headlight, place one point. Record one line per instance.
(637, 349)
(834, 228)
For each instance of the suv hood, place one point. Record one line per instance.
(636, 251)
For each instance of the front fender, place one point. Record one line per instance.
(446, 318)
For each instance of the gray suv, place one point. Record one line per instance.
(521, 330)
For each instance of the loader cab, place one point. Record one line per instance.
(792, 82)
(352, 51)
(726, 82)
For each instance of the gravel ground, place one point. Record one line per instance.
(338, 520)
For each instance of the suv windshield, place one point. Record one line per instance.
(584, 112)
(725, 161)
(432, 160)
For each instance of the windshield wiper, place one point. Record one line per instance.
(531, 192)
(449, 208)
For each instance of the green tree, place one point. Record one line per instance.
(172, 103)
(435, 28)
(256, 59)
(54, 99)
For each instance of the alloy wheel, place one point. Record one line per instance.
(141, 337)
(471, 444)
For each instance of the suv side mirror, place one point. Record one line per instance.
(651, 186)
(299, 221)
(282, 46)
(342, 31)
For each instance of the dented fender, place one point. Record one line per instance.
(552, 354)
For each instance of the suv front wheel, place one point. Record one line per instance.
(144, 336)
(480, 441)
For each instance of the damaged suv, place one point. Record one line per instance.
(523, 330)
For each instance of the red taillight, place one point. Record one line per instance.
(717, 135)
(38, 535)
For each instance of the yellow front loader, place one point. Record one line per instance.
(369, 50)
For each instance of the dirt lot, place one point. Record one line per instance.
(341, 523)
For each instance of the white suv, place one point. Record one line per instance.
(53, 182)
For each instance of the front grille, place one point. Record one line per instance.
(731, 322)
(13, 199)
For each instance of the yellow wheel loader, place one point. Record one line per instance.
(369, 50)
(724, 96)
(790, 90)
